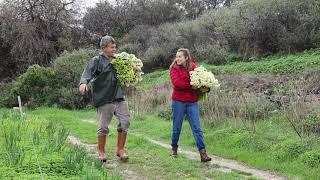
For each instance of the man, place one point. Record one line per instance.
(108, 96)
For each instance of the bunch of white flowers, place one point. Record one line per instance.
(128, 68)
(200, 77)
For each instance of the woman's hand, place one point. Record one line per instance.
(194, 88)
(204, 89)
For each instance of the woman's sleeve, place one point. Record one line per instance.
(179, 82)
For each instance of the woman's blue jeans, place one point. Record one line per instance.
(179, 110)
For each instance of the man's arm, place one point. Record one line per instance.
(87, 75)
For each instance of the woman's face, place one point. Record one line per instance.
(180, 59)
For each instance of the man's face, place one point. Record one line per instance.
(110, 50)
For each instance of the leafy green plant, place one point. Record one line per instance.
(68, 66)
(13, 150)
(35, 86)
(56, 135)
(311, 158)
(289, 150)
(74, 158)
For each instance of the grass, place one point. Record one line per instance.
(274, 146)
(275, 64)
(76, 122)
(35, 139)
(263, 149)
(150, 79)
(146, 159)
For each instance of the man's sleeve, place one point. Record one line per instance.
(88, 72)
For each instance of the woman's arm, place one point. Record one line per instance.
(178, 81)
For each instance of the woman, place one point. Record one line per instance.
(185, 102)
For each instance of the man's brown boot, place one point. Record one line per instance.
(203, 156)
(101, 148)
(174, 152)
(122, 136)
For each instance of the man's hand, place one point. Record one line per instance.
(83, 88)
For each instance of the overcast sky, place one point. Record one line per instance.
(89, 3)
(85, 3)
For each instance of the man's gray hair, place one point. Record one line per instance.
(105, 40)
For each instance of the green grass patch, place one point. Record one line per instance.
(36, 141)
(275, 64)
(78, 122)
(274, 146)
(150, 79)
(146, 159)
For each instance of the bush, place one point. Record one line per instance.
(35, 86)
(69, 66)
(136, 41)
(56, 86)
(239, 106)
(251, 141)
(289, 150)
(311, 124)
(253, 28)
(71, 98)
(212, 54)
(161, 47)
(165, 112)
(311, 158)
(257, 27)
(7, 99)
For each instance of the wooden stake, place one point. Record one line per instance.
(20, 107)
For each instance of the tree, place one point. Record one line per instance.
(34, 32)
(194, 8)
(119, 18)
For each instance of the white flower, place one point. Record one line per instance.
(200, 77)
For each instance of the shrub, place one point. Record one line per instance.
(165, 112)
(56, 86)
(71, 98)
(35, 86)
(221, 104)
(69, 66)
(289, 150)
(311, 158)
(253, 28)
(251, 141)
(7, 99)
(212, 53)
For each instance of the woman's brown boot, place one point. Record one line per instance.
(174, 152)
(203, 156)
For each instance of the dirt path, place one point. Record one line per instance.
(226, 165)
(114, 165)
